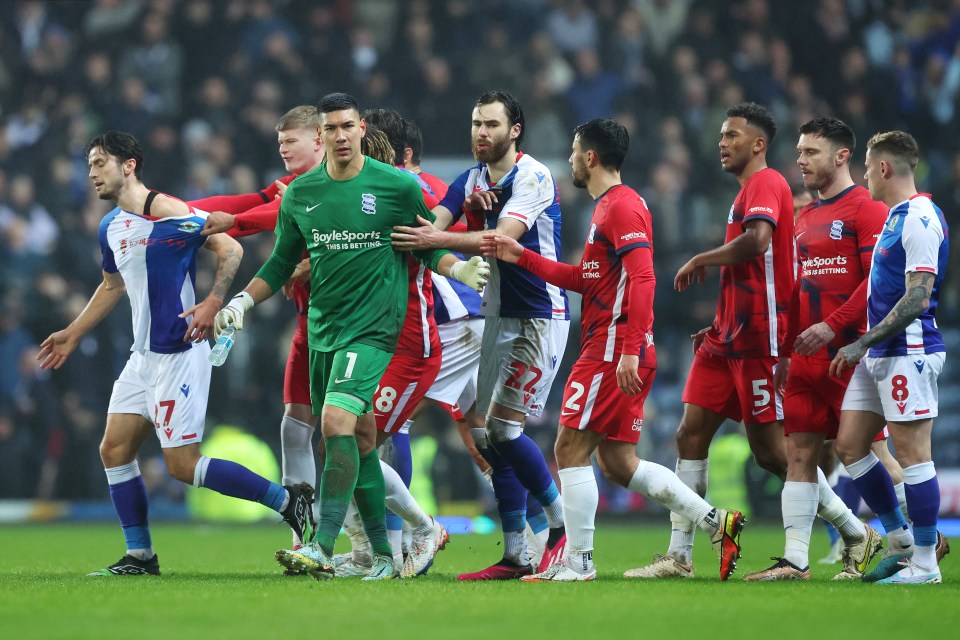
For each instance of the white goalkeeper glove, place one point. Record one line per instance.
(232, 314)
(473, 272)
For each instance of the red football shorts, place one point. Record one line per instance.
(296, 378)
(402, 387)
(738, 388)
(812, 399)
(592, 401)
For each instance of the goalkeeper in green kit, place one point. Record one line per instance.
(342, 214)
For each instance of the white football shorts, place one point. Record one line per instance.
(168, 389)
(900, 388)
(457, 381)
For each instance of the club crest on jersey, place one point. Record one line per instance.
(593, 230)
(368, 203)
(892, 225)
(189, 227)
(836, 230)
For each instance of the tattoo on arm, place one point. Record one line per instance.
(908, 308)
(228, 261)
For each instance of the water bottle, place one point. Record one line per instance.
(218, 355)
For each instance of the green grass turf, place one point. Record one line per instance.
(222, 582)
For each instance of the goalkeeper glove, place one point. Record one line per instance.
(232, 314)
(473, 272)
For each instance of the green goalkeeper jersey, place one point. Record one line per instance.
(358, 283)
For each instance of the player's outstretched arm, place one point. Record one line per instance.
(58, 346)
(752, 243)
(228, 252)
(916, 299)
(506, 249)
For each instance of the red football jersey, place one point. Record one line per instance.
(835, 240)
(621, 223)
(419, 336)
(438, 186)
(754, 296)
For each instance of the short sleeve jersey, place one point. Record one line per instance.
(621, 223)
(528, 194)
(753, 305)
(157, 259)
(914, 238)
(358, 283)
(835, 240)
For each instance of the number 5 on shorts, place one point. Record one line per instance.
(761, 397)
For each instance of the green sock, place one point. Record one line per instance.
(371, 497)
(336, 488)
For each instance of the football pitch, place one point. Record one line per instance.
(222, 582)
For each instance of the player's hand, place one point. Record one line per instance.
(281, 189)
(688, 274)
(300, 274)
(481, 201)
(846, 358)
(473, 272)
(698, 338)
(628, 379)
(217, 222)
(426, 236)
(813, 338)
(232, 314)
(780, 373)
(203, 316)
(488, 476)
(501, 247)
(55, 350)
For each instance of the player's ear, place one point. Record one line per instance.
(843, 155)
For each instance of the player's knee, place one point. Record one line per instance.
(769, 461)
(115, 454)
(502, 430)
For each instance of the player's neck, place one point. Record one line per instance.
(350, 170)
(602, 182)
(133, 197)
(758, 163)
(837, 187)
(496, 170)
(898, 193)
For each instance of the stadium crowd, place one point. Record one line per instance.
(202, 84)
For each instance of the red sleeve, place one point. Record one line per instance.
(870, 220)
(793, 322)
(642, 283)
(565, 276)
(852, 312)
(240, 203)
(256, 220)
(762, 198)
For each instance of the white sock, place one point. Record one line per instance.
(902, 498)
(831, 508)
(296, 448)
(401, 502)
(515, 547)
(578, 488)
(692, 473)
(408, 536)
(663, 485)
(359, 543)
(395, 538)
(799, 505)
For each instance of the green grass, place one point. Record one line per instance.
(222, 582)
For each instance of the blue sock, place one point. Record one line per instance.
(129, 496)
(235, 480)
(847, 490)
(923, 502)
(876, 487)
(527, 460)
(394, 522)
(536, 518)
(402, 461)
(510, 494)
